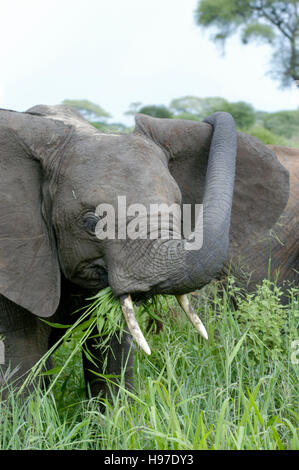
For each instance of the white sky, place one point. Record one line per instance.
(114, 52)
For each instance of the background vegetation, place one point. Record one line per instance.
(268, 21)
(278, 128)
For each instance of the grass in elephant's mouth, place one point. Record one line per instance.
(239, 390)
(103, 318)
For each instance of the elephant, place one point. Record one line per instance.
(57, 169)
(273, 253)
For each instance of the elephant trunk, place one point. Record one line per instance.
(185, 268)
(192, 266)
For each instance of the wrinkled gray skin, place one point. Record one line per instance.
(272, 254)
(55, 169)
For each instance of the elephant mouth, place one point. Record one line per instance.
(129, 314)
(94, 275)
(91, 275)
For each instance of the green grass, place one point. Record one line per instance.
(236, 391)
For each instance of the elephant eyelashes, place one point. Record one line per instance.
(90, 221)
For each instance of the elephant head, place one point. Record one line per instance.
(56, 169)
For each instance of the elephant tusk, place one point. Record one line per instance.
(195, 320)
(129, 314)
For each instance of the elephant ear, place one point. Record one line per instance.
(29, 270)
(261, 184)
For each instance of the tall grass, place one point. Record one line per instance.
(236, 391)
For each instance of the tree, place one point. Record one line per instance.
(158, 111)
(190, 107)
(89, 110)
(133, 108)
(243, 113)
(195, 108)
(267, 137)
(270, 21)
(283, 123)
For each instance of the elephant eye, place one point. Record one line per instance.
(90, 221)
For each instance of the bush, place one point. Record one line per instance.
(243, 113)
(282, 123)
(265, 136)
(156, 111)
(268, 323)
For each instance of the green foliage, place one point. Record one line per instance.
(267, 321)
(93, 321)
(258, 32)
(226, 15)
(96, 115)
(133, 108)
(265, 136)
(195, 106)
(243, 113)
(156, 111)
(89, 110)
(270, 128)
(283, 123)
(270, 21)
(279, 128)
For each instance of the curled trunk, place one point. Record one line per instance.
(193, 268)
